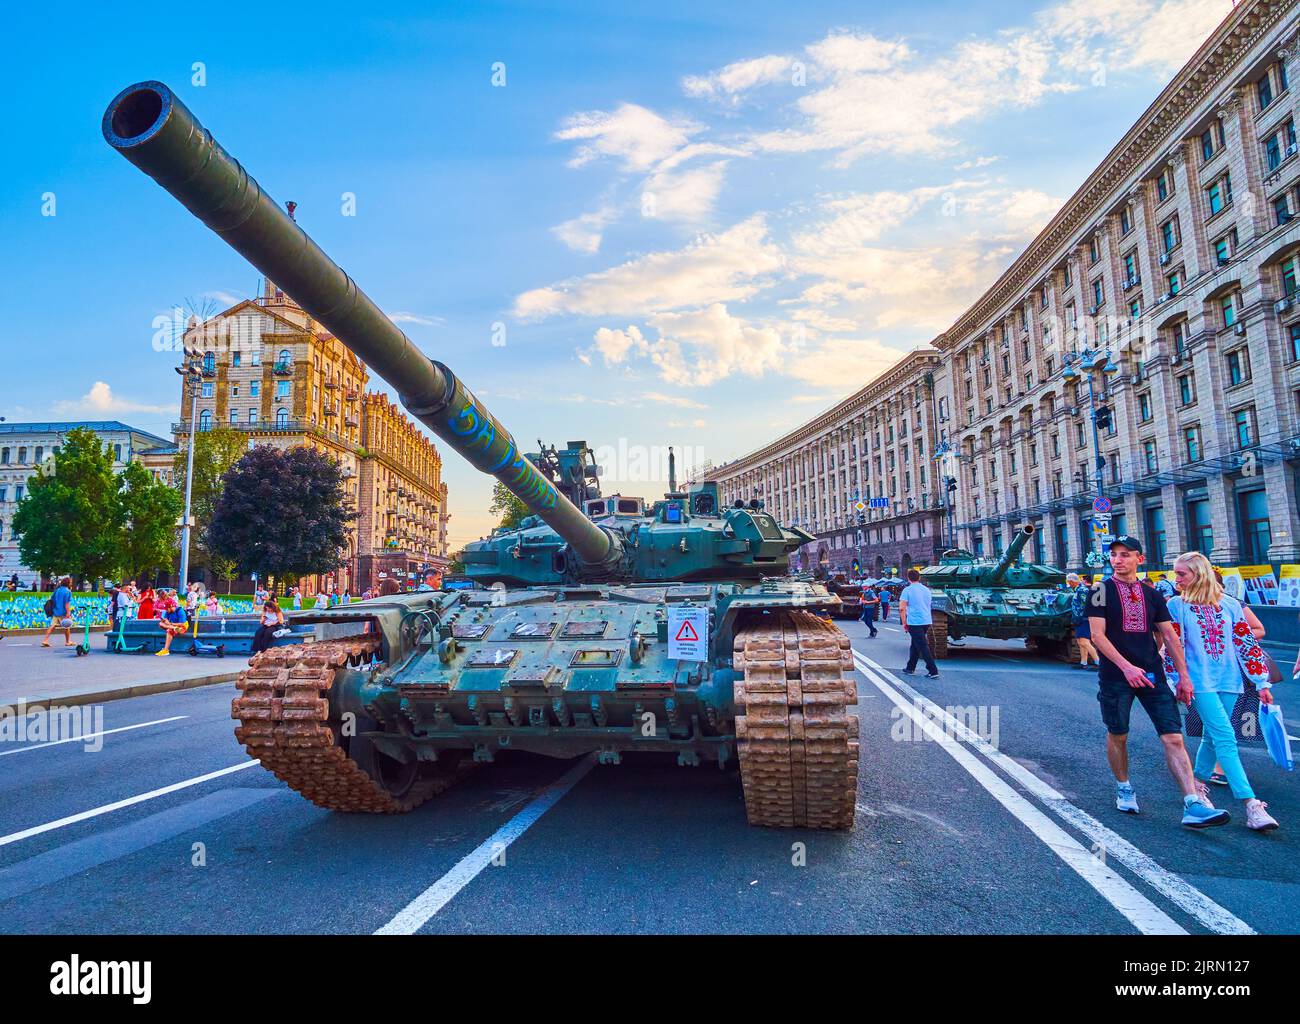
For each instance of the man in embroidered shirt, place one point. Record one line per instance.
(1124, 617)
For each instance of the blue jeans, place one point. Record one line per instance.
(869, 617)
(1219, 742)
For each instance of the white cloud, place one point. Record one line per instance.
(637, 137)
(677, 400)
(979, 161)
(416, 318)
(584, 233)
(722, 267)
(686, 195)
(1153, 35)
(729, 82)
(100, 401)
(615, 346)
(224, 297)
(842, 365)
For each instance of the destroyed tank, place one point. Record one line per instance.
(1003, 599)
(600, 626)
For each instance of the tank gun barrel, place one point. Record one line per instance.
(1017, 545)
(149, 125)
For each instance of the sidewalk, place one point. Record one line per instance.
(55, 675)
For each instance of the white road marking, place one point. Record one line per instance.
(130, 801)
(1188, 898)
(1144, 915)
(92, 735)
(420, 910)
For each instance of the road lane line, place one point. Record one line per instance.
(130, 801)
(1144, 915)
(92, 735)
(420, 910)
(100, 848)
(1185, 896)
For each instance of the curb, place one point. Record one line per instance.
(125, 692)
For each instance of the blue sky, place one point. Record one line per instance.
(699, 225)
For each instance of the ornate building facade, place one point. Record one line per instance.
(1164, 296)
(270, 371)
(1166, 286)
(876, 444)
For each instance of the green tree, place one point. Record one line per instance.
(215, 451)
(506, 505)
(281, 513)
(225, 568)
(456, 566)
(148, 511)
(71, 521)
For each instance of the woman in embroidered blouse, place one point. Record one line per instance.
(1220, 647)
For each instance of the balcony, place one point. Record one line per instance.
(331, 383)
(351, 394)
(283, 368)
(351, 422)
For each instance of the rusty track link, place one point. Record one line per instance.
(797, 742)
(283, 716)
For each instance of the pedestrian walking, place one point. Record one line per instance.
(272, 620)
(1079, 594)
(59, 609)
(322, 600)
(885, 598)
(119, 605)
(870, 606)
(297, 598)
(259, 599)
(1221, 653)
(914, 612)
(1125, 616)
(345, 598)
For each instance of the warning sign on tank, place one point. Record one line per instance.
(688, 634)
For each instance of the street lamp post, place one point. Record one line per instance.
(1090, 364)
(192, 376)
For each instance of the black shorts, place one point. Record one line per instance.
(1116, 701)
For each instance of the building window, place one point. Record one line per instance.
(205, 419)
(4, 456)
(1180, 339)
(1168, 236)
(1216, 198)
(1192, 443)
(1229, 312)
(1066, 271)
(1175, 283)
(1144, 407)
(1098, 293)
(1238, 369)
(1130, 269)
(1186, 393)
(206, 390)
(1155, 537)
(1207, 144)
(1294, 331)
(252, 416)
(1273, 152)
(234, 417)
(282, 418)
(1164, 186)
(283, 388)
(1221, 253)
(1125, 221)
(1199, 525)
(1255, 527)
(254, 388)
(256, 358)
(18, 493)
(1244, 427)
(1150, 457)
(1264, 89)
(234, 390)
(236, 358)
(1094, 251)
(1135, 309)
(209, 362)
(1281, 210)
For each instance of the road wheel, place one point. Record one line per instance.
(938, 635)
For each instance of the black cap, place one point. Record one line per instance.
(1132, 543)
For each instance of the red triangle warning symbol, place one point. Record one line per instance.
(687, 632)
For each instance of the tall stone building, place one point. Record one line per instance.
(1175, 262)
(1164, 295)
(270, 371)
(876, 444)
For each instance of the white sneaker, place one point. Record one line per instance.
(1258, 818)
(1204, 792)
(1125, 799)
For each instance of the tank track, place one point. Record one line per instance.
(797, 742)
(283, 717)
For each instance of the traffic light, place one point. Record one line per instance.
(1104, 418)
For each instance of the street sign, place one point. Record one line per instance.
(688, 633)
(880, 503)
(1101, 504)
(1105, 539)
(860, 505)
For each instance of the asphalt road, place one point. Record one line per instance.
(1018, 835)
